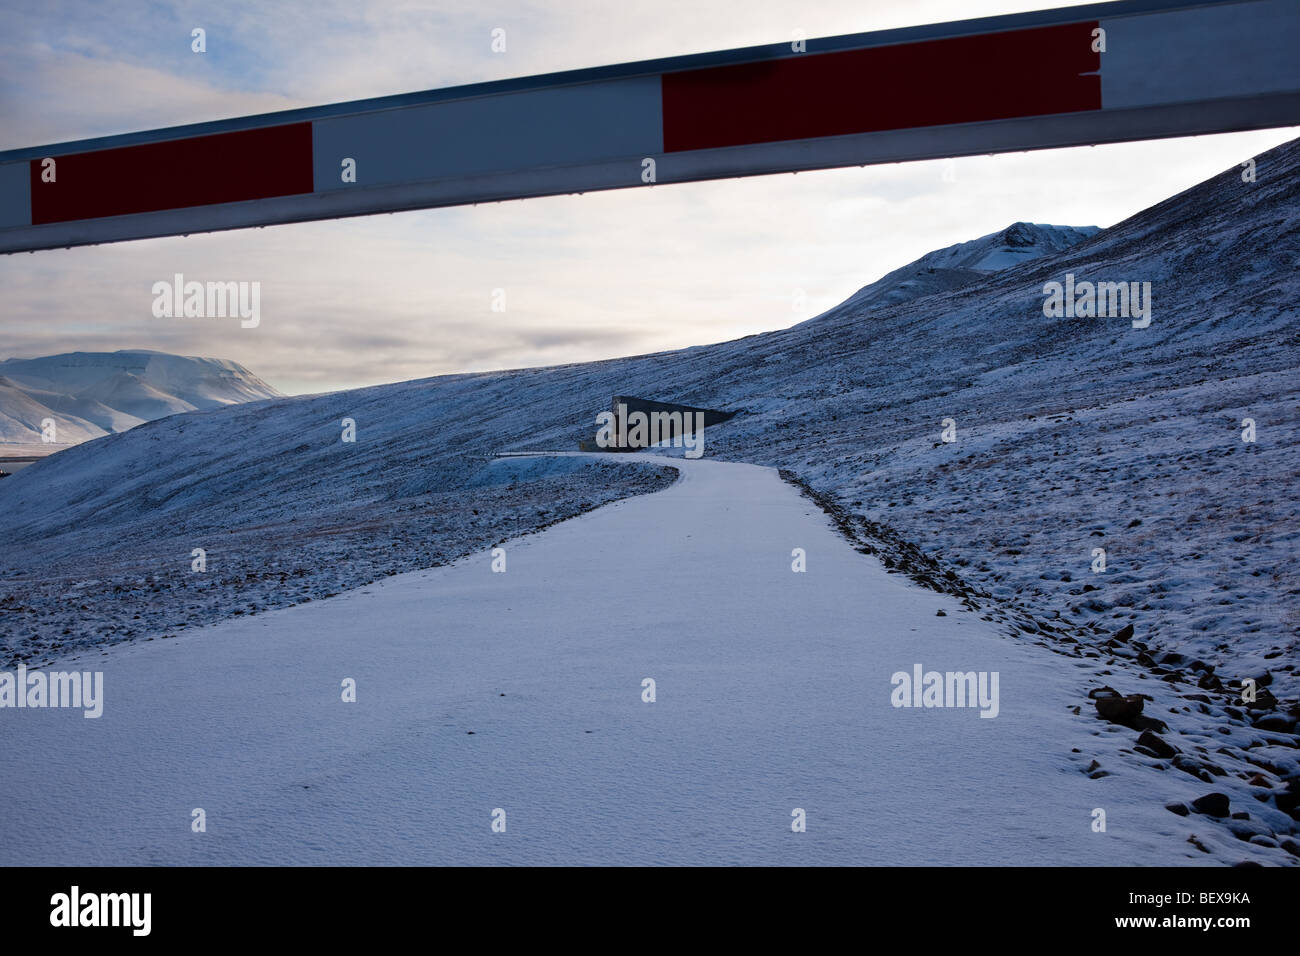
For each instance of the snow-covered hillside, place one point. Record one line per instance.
(525, 691)
(963, 264)
(1071, 435)
(89, 394)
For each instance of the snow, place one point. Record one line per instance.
(1072, 435)
(22, 415)
(89, 394)
(523, 690)
(964, 264)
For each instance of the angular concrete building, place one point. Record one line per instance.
(637, 423)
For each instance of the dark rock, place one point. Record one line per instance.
(1102, 692)
(1264, 700)
(1143, 722)
(1178, 808)
(1289, 803)
(1191, 766)
(1276, 722)
(1245, 829)
(940, 613)
(1212, 804)
(1124, 633)
(1156, 744)
(1119, 710)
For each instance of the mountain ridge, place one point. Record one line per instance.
(92, 394)
(965, 263)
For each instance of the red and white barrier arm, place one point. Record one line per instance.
(1110, 72)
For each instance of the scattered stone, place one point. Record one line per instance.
(1210, 682)
(1119, 710)
(1192, 766)
(1178, 808)
(1264, 700)
(1143, 722)
(1245, 829)
(1124, 633)
(1156, 745)
(1212, 804)
(1289, 802)
(941, 613)
(1280, 723)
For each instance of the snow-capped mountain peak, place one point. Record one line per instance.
(89, 394)
(966, 262)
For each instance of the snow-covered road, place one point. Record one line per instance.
(523, 691)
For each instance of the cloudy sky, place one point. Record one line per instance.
(387, 298)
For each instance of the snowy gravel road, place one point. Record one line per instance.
(523, 691)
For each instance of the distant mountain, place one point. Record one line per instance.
(91, 394)
(965, 263)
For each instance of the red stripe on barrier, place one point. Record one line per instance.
(201, 171)
(933, 83)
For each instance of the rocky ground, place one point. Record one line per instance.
(145, 588)
(1174, 714)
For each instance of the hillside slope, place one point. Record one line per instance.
(962, 264)
(1072, 434)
